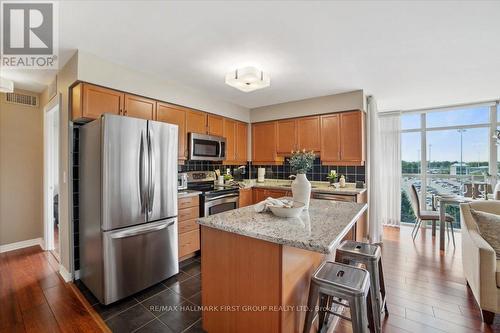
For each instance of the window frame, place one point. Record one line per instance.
(423, 129)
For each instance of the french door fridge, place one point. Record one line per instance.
(127, 205)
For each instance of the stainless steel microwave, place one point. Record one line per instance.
(204, 147)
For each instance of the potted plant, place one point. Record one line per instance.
(301, 162)
(332, 177)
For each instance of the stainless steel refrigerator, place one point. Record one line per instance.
(128, 205)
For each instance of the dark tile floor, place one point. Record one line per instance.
(170, 306)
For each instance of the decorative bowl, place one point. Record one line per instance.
(293, 211)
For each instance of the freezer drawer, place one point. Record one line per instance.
(138, 257)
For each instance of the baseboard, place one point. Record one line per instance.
(21, 245)
(67, 276)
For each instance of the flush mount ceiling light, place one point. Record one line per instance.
(248, 79)
(6, 86)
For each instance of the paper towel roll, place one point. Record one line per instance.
(261, 173)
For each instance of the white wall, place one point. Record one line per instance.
(354, 100)
(103, 72)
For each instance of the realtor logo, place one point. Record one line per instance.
(29, 35)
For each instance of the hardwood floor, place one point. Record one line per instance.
(34, 298)
(426, 292)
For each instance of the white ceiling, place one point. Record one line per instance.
(409, 54)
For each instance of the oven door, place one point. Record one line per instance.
(206, 147)
(220, 204)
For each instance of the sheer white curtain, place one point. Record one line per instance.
(383, 170)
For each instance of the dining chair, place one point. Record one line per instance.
(427, 215)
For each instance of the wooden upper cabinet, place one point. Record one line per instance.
(309, 133)
(229, 132)
(343, 138)
(89, 102)
(173, 114)
(215, 125)
(352, 137)
(264, 143)
(241, 142)
(139, 107)
(330, 138)
(286, 133)
(196, 122)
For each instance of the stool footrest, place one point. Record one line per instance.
(339, 315)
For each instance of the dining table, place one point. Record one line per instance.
(445, 200)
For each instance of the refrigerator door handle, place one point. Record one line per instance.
(142, 173)
(141, 231)
(152, 171)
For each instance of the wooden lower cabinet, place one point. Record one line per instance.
(245, 272)
(261, 194)
(188, 228)
(189, 242)
(246, 198)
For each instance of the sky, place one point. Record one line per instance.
(445, 144)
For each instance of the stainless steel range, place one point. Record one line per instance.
(214, 198)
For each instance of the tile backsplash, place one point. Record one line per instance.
(318, 172)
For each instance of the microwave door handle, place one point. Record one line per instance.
(220, 149)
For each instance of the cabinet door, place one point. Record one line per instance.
(259, 194)
(309, 133)
(276, 193)
(215, 125)
(286, 136)
(245, 197)
(330, 138)
(174, 115)
(352, 137)
(241, 143)
(90, 102)
(139, 107)
(229, 132)
(264, 142)
(196, 122)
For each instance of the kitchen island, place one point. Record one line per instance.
(256, 267)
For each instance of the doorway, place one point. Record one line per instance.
(51, 179)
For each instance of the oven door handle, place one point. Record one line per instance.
(222, 196)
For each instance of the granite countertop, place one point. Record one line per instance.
(187, 193)
(317, 187)
(319, 229)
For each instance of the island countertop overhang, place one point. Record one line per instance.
(319, 229)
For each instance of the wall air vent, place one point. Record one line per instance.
(21, 99)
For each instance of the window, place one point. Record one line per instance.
(443, 150)
(472, 116)
(411, 121)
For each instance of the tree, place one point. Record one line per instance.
(407, 214)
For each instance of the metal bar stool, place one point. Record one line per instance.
(338, 284)
(352, 252)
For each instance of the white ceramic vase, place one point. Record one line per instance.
(301, 190)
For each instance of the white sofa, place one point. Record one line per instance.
(480, 264)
